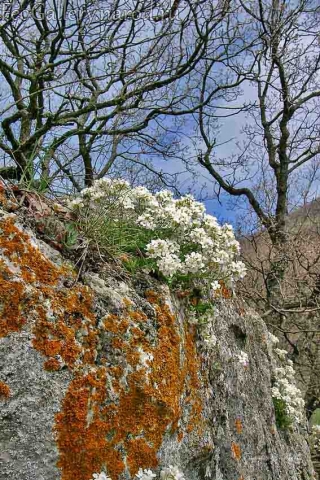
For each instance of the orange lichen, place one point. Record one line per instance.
(12, 298)
(52, 365)
(236, 451)
(192, 367)
(138, 316)
(3, 198)
(73, 312)
(140, 453)
(4, 390)
(131, 429)
(115, 324)
(32, 269)
(223, 291)
(238, 425)
(16, 246)
(82, 434)
(7, 198)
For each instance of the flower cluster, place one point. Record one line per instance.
(273, 339)
(171, 473)
(145, 474)
(315, 438)
(285, 390)
(168, 473)
(243, 358)
(182, 240)
(100, 476)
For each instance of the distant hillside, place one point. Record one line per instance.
(302, 254)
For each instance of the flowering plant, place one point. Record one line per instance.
(315, 438)
(168, 473)
(145, 474)
(100, 476)
(175, 236)
(287, 398)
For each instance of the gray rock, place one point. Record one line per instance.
(130, 384)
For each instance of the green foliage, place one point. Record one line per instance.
(71, 235)
(202, 307)
(315, 417)
(136, 264)
(114, 234)
(283, 420)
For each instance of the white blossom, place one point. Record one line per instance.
(169, 265)
(194, 262)
(284, 387)
(215, 286)
(281, 353)
(243, 358)
(315, 438)
(100, 476)
(161, 248)
(171, 473)
(145, 474)
(273, 339)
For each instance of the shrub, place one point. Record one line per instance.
(175, 237)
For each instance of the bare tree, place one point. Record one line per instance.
(84, 82)
(275, 168)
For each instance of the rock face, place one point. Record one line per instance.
(107, 375)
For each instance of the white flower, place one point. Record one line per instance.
(273, 339)
(127, 203)
(281, 353)
(169, 265)
(145, 474)
(147, 221)
(164, 196)
(161, 248)
(238, 269)
(171, 473)
(209, 339)
(76, 203)
(100, 476)
(215, 285)
(285, 389)
(193, 262)
(243, 358)
(276, 392)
